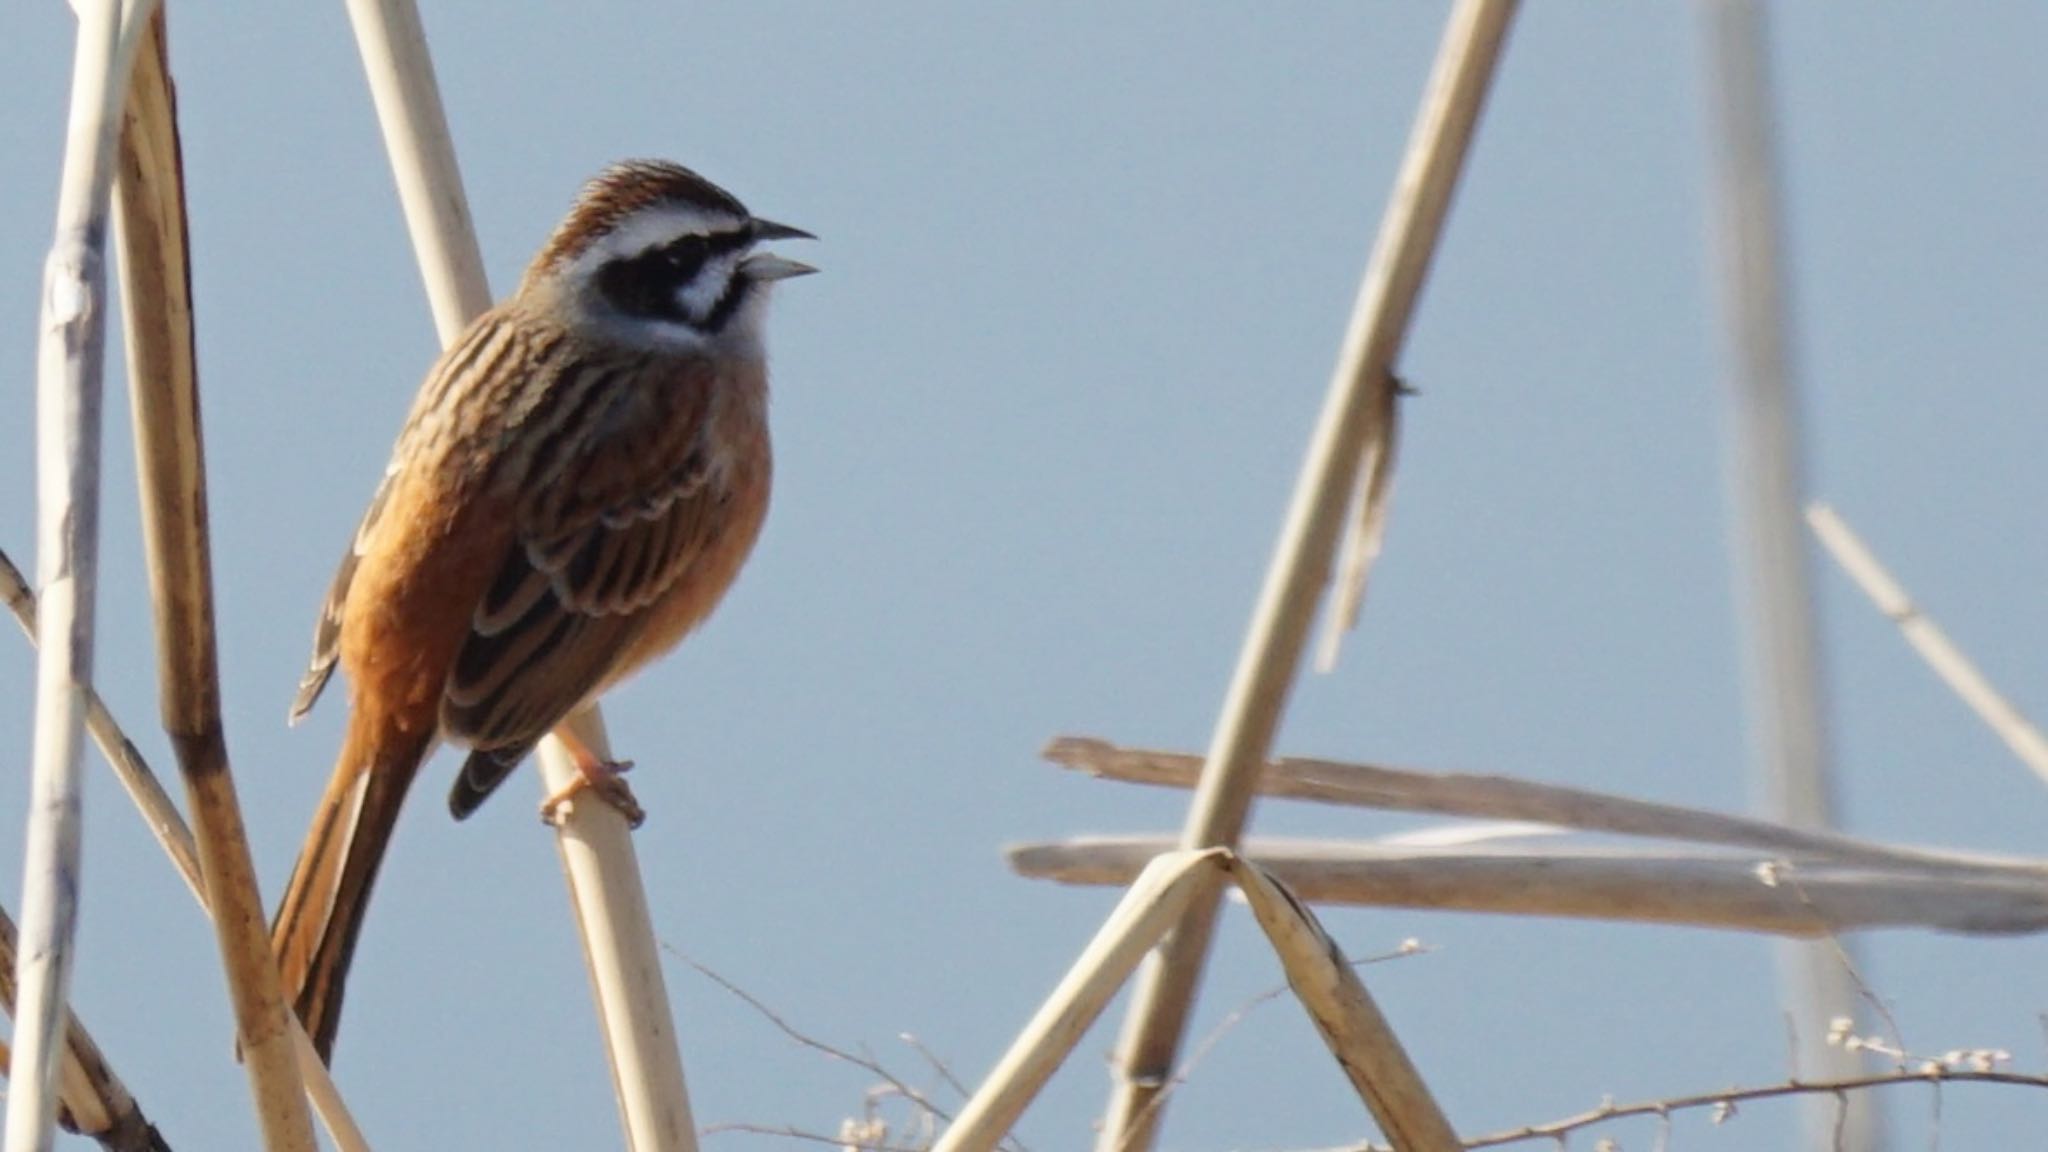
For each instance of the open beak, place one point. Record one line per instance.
(763, 267)
(766, 266)
(770, 230)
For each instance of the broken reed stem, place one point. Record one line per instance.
(1351, 1024)
(1927, 638)
(597, 852)
(1272, 649)
(70, 350)
(1368, 531)
(150, 229)
(1508, 798)
(1799, 896)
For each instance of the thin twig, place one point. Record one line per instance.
(1726, 1101)
(1853, 972)
(937, 1065)
(792, 1133)
(863, 1060)
(865, 1063)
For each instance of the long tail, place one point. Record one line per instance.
(321, 915)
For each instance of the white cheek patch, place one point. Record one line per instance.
(701, 294)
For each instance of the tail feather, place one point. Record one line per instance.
(321, 916)
(481, 774)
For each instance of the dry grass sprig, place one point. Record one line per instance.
(869, 1132)
(864, 1061)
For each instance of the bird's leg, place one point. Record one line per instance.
(595, 774)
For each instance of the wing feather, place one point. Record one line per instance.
(327, 633)
(612, 520)
(484, 340)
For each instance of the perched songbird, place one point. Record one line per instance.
(580, 479)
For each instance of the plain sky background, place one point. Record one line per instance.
(1085, 270)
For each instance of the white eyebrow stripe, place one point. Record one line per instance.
(654, 227)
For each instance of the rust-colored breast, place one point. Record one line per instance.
(735, 509)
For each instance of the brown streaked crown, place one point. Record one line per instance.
(621, 190)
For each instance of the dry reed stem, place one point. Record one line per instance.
(165, 822)
(1344, 1012)
(150, 229)
(1159, 894)
(400, 71)
(1508, 798)
(621, 954)
(71, 347)
(1271, 656)
(176, 840)
(1782, 657)
(603, 873)
(92, 1101)
(1927, 638)
(1800, 896)
(401, 80)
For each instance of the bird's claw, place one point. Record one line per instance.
(607, 780)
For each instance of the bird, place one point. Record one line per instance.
(580, 479)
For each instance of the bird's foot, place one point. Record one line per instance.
(604, 778)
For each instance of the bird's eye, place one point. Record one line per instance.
(685, 257)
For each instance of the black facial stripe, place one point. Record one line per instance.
(647, 285)
(728, 301)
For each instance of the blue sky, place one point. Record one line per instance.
(1085, 272)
